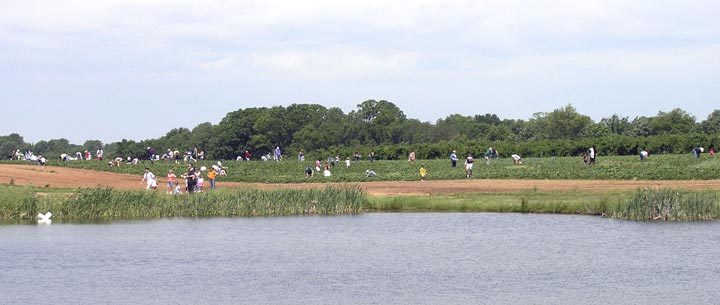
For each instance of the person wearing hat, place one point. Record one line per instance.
(453, 158)
(370, 174)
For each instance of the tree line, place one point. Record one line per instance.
(382, 127)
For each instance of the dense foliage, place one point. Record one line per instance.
(382, 127)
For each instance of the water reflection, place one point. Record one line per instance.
(452, 258)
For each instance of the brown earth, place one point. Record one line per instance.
(61, 177)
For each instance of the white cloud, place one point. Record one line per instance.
(325, 65)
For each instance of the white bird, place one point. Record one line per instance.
(44, 218)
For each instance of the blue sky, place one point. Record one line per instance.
(135, 69)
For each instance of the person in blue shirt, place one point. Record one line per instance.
(453, 158)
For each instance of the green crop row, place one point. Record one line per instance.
(657, 167)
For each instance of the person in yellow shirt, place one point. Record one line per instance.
(423, 172)
(211, 177)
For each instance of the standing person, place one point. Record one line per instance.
(199, 180)
(411, 157)
(317, 165)
(453, 158)
(151, 154)
(592, 155)
(190, 178)
(356, 155)
(42, 161)
(371, 156)
(149, 179)
(211, 177)
(347, 162)
(247, 155)
(171, 180)
(277, 154)
(301, 156)
(99, 154)
(469, 166)
(423, 172)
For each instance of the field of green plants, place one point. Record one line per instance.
(657, 167)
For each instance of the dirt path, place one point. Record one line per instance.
(62, 177)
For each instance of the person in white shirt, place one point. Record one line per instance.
(149, 178)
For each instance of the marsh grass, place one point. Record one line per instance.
(669, 204)
(106, 203)
(529, 201)
(643, 204)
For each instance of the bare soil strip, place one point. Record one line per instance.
(61, 177)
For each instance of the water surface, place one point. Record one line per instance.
(434, 258)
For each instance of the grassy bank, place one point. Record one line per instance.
(105, 203)
(643, 204)
(18, 203)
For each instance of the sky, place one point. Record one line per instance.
(135, 69)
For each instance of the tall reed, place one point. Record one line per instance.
(669, 204)
(106, 203)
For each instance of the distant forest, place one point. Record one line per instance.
(382, 127)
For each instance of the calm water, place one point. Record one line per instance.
(367, 259)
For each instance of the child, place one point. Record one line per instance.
(177, 190)
(171, 180)
(423, 172)
(469, 166)
(211, 177)
(200, 182)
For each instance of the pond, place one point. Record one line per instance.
(374, 258)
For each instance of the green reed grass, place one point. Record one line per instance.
(669, 204)
(643, 204)
(106, 203)
(530, 201)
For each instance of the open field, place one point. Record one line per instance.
(616, 198)
(64, 177)
(613, 168)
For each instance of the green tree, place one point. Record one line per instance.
(92, 145)
(10, 143)
(618, 125)
(381, 120)
(564, 123)
(711, 125)
(676, 121)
